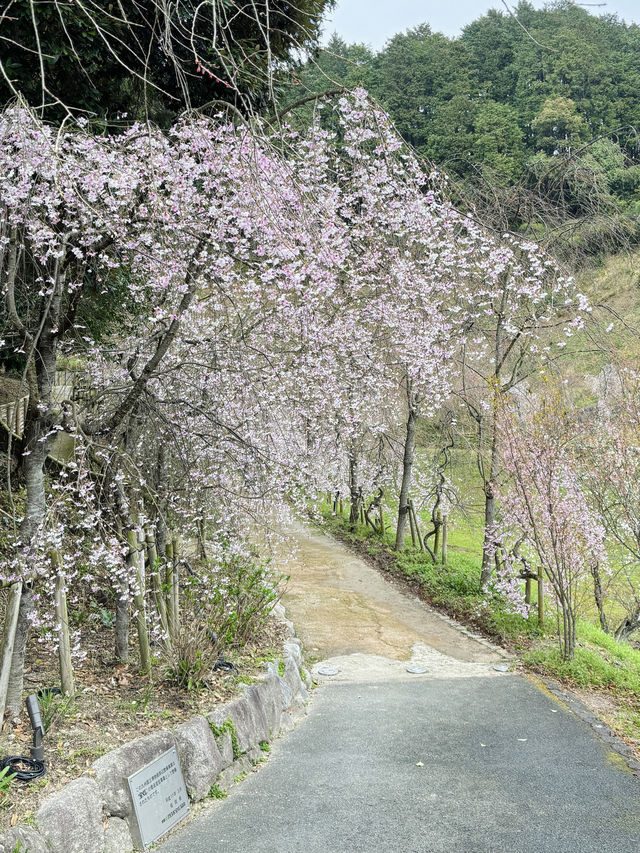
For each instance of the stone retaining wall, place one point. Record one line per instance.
(94, 814)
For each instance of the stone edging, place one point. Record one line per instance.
(94, 813)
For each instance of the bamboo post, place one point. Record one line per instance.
(156, 583)
(175, 587)
(62, 619)
(436, 537)
(540, 597)
(168, 588)
(412, 524)
(417, 527)
(133, 560)
(444, 540)
(8, 640)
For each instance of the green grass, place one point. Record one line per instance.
(600, 661)
(216, 793)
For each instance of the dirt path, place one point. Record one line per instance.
(343, 607)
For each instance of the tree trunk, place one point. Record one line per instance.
(628, 625)
(354, 510)
(599, 597)
(8, 640)
(407, 465)
(16, 675)
(489, 544)
(41, 369)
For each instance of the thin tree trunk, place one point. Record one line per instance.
(16, 675)
(8, 640)
(407, 465)
(489, 544)
(599, 597)
(354, 510)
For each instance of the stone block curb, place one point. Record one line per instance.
(95, 814)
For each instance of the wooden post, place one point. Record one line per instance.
(412, 524)
(416, 526)
(168, 588)
(540, 597)
(8, 639)
(527, 591)
(175, 588)
(156, 584)
(62, 618)
(436, 537)
(444, 540)
(133, 561)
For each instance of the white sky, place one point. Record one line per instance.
(374, 21)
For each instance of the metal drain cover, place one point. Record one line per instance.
(416, 669)
(327, 670)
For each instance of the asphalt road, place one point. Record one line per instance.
(479, 765)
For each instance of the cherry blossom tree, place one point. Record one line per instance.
(520, 312)
(544, 513)
(609, 465)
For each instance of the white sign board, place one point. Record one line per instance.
(159, 796)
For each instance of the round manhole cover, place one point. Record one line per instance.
(327, 670)
(416, 669)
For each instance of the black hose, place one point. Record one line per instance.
(25, 769)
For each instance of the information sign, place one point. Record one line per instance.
(159, 796)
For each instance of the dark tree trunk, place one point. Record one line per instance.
(407, 466)
(490, 544)
(628, 625)
(599, 597)
(354, 494)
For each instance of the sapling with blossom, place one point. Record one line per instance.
(544, 512)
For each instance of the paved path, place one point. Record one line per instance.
(462, 758)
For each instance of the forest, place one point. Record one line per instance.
(392, 293)
(532, 116)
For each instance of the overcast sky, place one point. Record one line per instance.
(374, 21)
